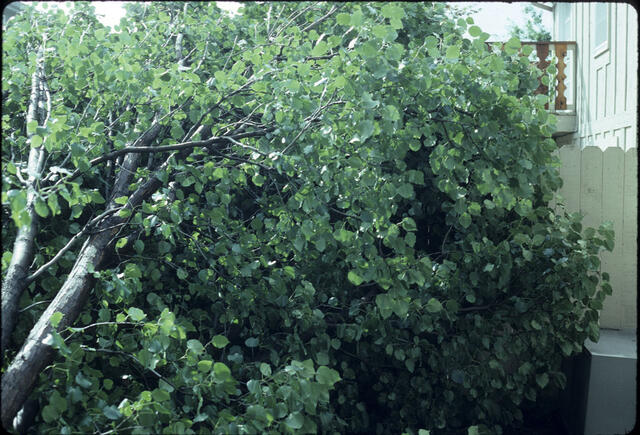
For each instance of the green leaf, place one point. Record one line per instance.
(221, 371)
(138, 245)
(41, 208)
(258, 180)
(319, 49)
(181, 273)
(384, 303)
(205, 366)
(392, 11)
(475, 31)
(366, 129)
(289, 271)
(56, 318)
(327, 376)
(52, 201)
(136, 314)
(265, 369)
(82, 380)
(542, 380)
(474, 209)
(31, 127)
(343, 19)
(195, 346)
(36, 141)
(433, 306)
(49, 414)
(453, 52)
(465, 220)
(354, 278)
(405, 190)
(160, 395)
(409, 224)
(251, 342)
(122, 200)
(112, 413)
(177, 132)
(220, 341)
(356, 18)
(295, 420)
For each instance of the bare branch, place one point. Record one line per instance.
(28, 307)
(74, 239)
(321, 19)
(177, 147)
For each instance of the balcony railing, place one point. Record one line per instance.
(562, 85)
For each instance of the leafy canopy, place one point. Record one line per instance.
(372, 250)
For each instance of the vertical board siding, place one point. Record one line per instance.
(570, 173)
(602, 185)
(591, 186)
(612, 210)
(631, 94)
(629, 237)
(599, 161)
(621, 65)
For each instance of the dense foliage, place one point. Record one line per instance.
(337, 221)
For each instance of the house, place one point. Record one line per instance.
(596, 103)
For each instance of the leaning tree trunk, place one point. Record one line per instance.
(22, 255)
(35, 354)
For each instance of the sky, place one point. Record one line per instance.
(492, 17)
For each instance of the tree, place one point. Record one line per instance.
(308, 217)
(533, 30)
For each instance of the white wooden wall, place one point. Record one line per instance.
(600, 160)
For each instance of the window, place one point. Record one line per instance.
(600, 28)
(565, 21)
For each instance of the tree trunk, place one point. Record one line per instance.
(22, 255)
(21, 376)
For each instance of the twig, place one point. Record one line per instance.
(255, 150)
(232, 49)
(118, 352)
(445, 240)
(69, 244)
(321, 19)
(33, 305)
(476, 308)
(95, 325)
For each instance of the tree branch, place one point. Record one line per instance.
(321, 19)
(177, 147)
(85, 230)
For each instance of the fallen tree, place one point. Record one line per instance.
(239, 224)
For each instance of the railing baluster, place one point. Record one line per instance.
(559, 86)
(561, 100)
(542, 51)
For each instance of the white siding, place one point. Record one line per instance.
(600, 159)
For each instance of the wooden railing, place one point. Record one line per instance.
(562, 86)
